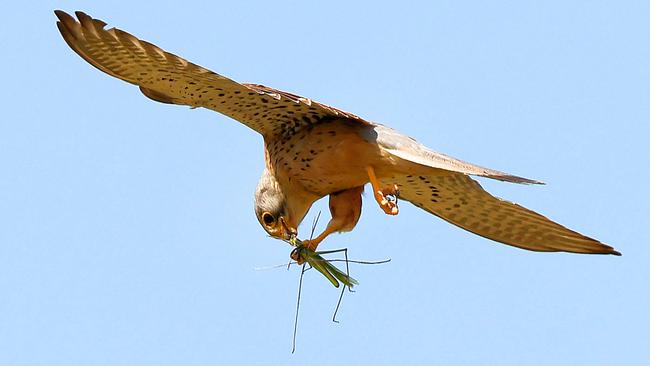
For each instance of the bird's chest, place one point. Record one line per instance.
(325, 159)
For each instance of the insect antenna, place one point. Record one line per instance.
(313, 226)
(302, 274)
(295, 322)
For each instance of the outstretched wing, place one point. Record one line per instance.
(167, 78)
(405, 147)
(461, 201)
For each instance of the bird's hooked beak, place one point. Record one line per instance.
(288, 230)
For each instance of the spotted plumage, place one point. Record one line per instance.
(167, 78)
(313, 150)
(461, 201)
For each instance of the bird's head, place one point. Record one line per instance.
(272, 209)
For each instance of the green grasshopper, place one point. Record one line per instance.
(302, 254)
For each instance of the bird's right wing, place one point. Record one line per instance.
(167, 78)
(461, 201)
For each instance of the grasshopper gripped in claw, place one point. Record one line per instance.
(302, 254)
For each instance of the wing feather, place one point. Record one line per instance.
(461, 201)
(167, 78)
(407, 148)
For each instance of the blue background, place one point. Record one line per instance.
(127, 228)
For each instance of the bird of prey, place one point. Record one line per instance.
(313, 150)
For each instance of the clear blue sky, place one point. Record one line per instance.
(127, 228)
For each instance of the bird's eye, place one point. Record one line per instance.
(268, 218)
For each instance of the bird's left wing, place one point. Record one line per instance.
(167, 78)
(460, 200)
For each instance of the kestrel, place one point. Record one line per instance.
(313, 150)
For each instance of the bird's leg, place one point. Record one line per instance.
(345, 207)
(383, 196)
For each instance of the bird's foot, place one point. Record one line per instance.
(312, 244)
(296, 255)
(387, 199)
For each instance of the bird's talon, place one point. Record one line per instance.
(387, 200)
(389, 207)
(310, 244)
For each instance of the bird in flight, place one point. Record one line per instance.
(313, 150)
